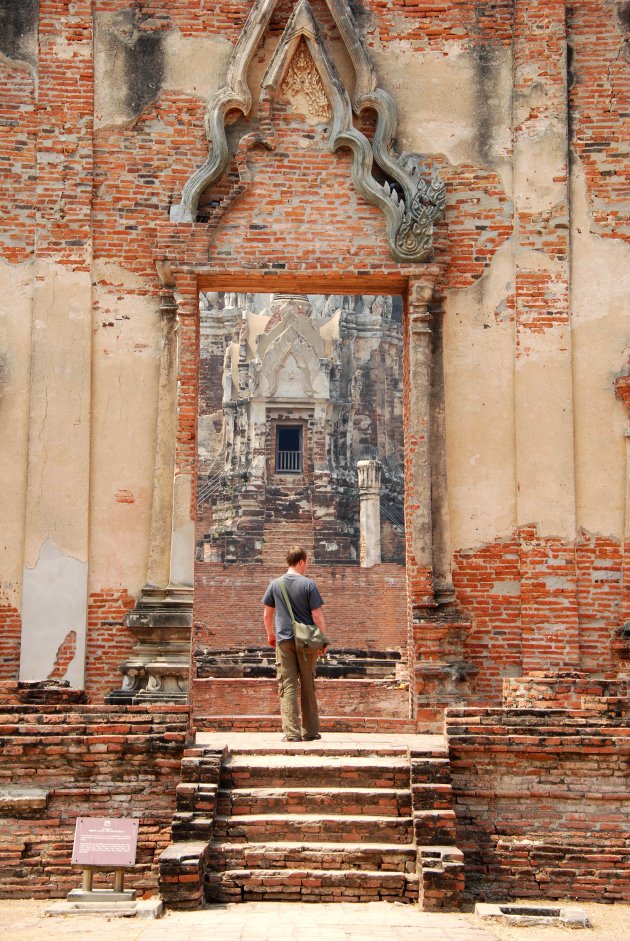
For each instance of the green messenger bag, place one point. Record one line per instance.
(306, 635)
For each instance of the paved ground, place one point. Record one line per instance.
(269, 921)
(255, 921)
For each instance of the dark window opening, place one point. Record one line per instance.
(288, 449)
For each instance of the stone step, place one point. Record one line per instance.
(435, 827)
(199, 798)
(285, 854)
(312, 770)
(442, 878)
(430, 769)
(432, 796)
(279, 534)
(315, 749)
(334, 828)
(191, 827)
(383, 802)
(328, 723)
(311, 885)
(348, 662)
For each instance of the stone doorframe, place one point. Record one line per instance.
(162, 619)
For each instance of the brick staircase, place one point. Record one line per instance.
(280, 534)
(311, 823)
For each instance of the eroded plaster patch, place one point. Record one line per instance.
(127, 56)
(546, 467)
(54, 604)
(446, 106)
(195, 65)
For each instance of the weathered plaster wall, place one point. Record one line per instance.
(522, 106)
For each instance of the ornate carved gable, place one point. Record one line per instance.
(303, 86)
(301, 325)
(290, 367)
(409, 203)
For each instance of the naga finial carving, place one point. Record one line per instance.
(411, 204)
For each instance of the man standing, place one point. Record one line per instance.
(295, 666)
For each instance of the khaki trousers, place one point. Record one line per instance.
(295, 666)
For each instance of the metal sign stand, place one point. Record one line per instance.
(87, 893)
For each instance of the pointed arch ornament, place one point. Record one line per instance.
(410, 203)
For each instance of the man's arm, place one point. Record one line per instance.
(318, 620)
(269, 625)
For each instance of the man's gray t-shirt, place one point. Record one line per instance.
(304, 597)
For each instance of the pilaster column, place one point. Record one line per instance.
(439, 675)
(159, 562)
(370, 512)
(417, 435)
(161, 621)
(544, 432)
(623, 392)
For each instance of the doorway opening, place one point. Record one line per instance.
(298, 393)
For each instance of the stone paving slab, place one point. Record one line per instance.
(268, 741)
(251, 921)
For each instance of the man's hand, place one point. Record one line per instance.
(268, 618)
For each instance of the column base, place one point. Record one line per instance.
(441, 676)
(158, 670)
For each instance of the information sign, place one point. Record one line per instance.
(105, 842)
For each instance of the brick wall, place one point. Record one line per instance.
(541, 690)
(10, 630)
(558, 586)
(599, 588)
(542, 803)
(364, 608)
(488, 586)
(18, 145)
(91, 761)
(349, 699)
(109, 642)
(598, 94)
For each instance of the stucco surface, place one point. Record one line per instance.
(15, 348)
(479, 392)
(449, 106)
(194, 66)
(600, 295)
(126, 350)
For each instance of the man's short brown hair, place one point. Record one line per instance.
(295, 554)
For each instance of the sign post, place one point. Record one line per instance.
(104, 843)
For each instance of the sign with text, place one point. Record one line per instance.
(106, 842)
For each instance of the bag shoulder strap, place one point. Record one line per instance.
(285, 596)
